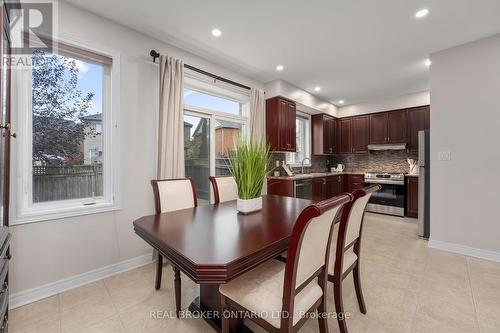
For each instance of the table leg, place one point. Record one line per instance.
(210, 300)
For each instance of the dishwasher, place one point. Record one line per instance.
(303, 189)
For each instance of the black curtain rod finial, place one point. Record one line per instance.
(154, 54)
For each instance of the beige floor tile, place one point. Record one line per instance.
(93, 292)
(82, 316)
(435, 315)
(489, 325)
(407, 287)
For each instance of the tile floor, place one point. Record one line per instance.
(408, 287)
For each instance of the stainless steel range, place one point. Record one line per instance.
(391, 198)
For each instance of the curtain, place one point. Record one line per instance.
(171, 120)
(257, 114)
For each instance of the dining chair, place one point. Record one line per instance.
(171, 195)
(279, 296)
(346, 250)
(223, 189)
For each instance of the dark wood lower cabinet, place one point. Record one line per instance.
(412, 196)
(282, 187)
(355, 182)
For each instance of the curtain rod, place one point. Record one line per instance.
(155, 54)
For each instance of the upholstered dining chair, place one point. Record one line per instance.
(170, 195)
(223, 189)
(346, 250)
(281, 294)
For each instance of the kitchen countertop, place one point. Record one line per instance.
(313, 175)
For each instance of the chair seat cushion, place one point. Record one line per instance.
(261, 290)
(349, 258)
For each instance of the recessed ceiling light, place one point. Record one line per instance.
(428, 62)
(422, 13)
(341, 101)
(279, 67)
(317, 88)
(216, 32)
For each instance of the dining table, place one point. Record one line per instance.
(213, 244)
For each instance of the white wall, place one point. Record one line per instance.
(45, 252)
(306, 102)
(401, 102)
(465, 120)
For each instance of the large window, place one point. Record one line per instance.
(215, 118)
(65, 155)
(303, 137)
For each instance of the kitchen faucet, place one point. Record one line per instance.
(302, 163)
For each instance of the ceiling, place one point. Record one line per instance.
(355, 50)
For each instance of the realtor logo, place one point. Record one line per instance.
(31, 26)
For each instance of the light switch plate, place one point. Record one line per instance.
(444, 156)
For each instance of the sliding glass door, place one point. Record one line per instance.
(197, 154)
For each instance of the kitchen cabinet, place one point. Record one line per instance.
(360, 134)
(378, 128)
(324, 130)
(355, 182)
(418, 120)
(280, 124)
(319, 188)
(281, 187)
(389, 127)
(344, 126)
(397, 126)
(334, 186)
(412, 196)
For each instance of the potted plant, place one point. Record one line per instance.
(248, 164)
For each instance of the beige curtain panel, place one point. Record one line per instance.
(257, 114)
(171, 136)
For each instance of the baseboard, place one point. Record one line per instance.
(465, 250)
(53, 288)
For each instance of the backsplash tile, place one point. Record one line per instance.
(385, 161)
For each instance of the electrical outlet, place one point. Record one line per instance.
(444, 156)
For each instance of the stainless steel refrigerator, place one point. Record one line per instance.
(423, 184)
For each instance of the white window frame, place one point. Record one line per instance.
(208, 86)
(24, 210)
(290, 157)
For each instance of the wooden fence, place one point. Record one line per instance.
(52, 183)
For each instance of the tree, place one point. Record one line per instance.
(58, 108)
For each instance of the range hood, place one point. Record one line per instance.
(388, 146)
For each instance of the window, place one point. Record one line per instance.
(303, 137)
(215, 118)
(65, 154)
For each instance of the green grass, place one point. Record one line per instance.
(248, 164)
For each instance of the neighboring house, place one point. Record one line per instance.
(226, 136)
(92, 144)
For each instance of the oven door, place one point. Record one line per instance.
(390, 199)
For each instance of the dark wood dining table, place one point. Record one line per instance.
(213, 244)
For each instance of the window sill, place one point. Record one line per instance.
(48, 214)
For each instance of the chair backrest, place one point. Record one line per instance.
(351, 225)
(309, 248)
(223, 189)
(174, 194)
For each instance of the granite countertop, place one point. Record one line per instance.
(408, 175)
(314, 175)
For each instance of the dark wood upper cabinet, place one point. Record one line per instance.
(378, 128)
(397, 126)
(324, 130)
(418, 120)
(280, 124)
(344, 127)
(360, 137)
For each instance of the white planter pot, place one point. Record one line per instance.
(249, 206)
